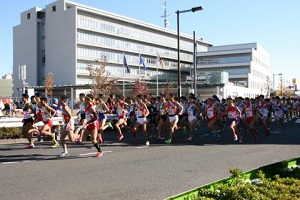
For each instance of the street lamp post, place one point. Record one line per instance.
(280, 74)
(178, 45)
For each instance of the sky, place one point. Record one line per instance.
(274, 24)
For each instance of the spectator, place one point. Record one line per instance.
(56, 107)
(1, 108)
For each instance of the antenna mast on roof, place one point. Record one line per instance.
(165, 15)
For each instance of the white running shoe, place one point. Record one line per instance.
(147, 143)
(189, 139)
(63, 154)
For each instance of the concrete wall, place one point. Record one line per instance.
(25, 48)
(61, 43)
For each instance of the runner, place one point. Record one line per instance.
(102, 110)
(264, 113)
(211, 116)
(27, 111)
(192, 110)
(249, 112)
(173, 109)
(141, 113)
(278, 114)
(92, 125)
(47, 113)
(232, 113)
(68, 127)
(163, 116)
(121, 108)
(81, 114)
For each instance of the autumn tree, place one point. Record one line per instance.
(101, 83)
(140, 87)
(170, 88)
(49, 84)
(267, 86)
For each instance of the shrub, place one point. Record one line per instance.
(10, 133)
(284, 185)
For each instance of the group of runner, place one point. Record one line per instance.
(164, 113)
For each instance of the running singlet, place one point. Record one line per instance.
(191, 110)
(249, 111)
(172, 108)
(89, 116)
(100, 108)
(231, 112)
(140, 111)
(162, 109)
(120, 110)
(26, 111)
(82, 110)
(210, 112)
(65, 116)
(278, 110)
(45, 114)
(263, 109)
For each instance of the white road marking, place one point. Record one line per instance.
(141, 147)
(93, 153)
(205, 135)
(5, 163)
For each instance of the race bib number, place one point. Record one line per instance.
(230, 115)
(249, 113)
(210, 114)
(171, 112)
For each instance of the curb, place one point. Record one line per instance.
(13, 141)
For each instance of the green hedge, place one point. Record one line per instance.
(10, 133)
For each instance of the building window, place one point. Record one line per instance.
(28, 15)
(53, 8)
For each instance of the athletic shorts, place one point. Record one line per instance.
(49, 123)
(102, 117)
(26, 121)
(141, 120)
(69, 126)
(232, 120)
(191, 118)
(249, 119)
(173, 118)
(92, 126)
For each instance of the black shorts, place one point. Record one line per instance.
(164, 117)
(26, 121)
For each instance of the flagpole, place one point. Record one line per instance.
(139, 66)
(157, 77)
(123, 76)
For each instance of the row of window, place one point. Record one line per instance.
(91, 54)
(223, 60)
(88, 38)
(94, 22)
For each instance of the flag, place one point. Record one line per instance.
(125, 64)
(160, 60)
(142, 62)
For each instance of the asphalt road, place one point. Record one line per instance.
(130, 170)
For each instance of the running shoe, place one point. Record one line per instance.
(56, 144)
(63, 154)
(99, 137)
(168, 141)
(99, 154)
(110, 125)
(39, 137)
(30, 146)
(120, 137)
(147, 143)
(189, 139)
(235, 138)
(241, 139)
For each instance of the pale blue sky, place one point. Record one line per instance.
(273, 24)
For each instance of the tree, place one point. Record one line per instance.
(101, 83)
(140, 87)
(267, 86)
(282, 90)
(49, 84)
(170, 88)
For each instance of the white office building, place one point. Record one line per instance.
(244, 70)
(65, 37)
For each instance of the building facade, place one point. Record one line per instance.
(6, 86)
(247, 65)
(66, 37)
